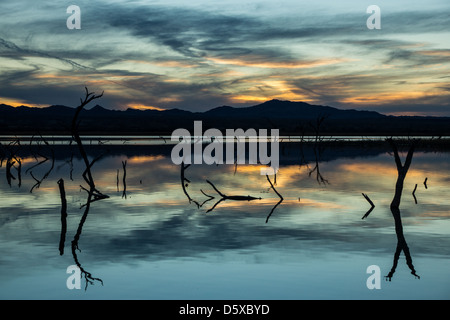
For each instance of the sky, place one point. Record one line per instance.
(199, 54)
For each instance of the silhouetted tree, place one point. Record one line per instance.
(402, 170)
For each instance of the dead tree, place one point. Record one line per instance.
(124, 179)
(45, 159)
(402, 170)
(87, 174)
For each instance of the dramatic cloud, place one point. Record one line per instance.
(201, 54)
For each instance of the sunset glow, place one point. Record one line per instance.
(196, 57)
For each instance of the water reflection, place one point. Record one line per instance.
(402, 170)
(165, 209)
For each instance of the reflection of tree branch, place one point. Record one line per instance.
(87, 275)
(209, 198)
(185, 183)
(320, 179)
(45, 176)
(401, 246)
(414, 194)
(70, 163)
(9, 175)
(93, 193)
(278, 203)
(87, 174)
(39, 182)
(402, 170)
(11, 162)
(124, 165)
(371, 204)
(62, 193)
(117, 180)
(37, 164)
(318, 148)
(226, 197)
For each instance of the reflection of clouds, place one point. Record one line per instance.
(157, 220)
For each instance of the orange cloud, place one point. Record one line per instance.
(384, 98)
(144, 159)
(17, 103)
(440, 53)
(143, 107)
(268, 90)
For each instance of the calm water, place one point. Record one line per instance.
(159, 236)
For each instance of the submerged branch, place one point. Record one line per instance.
(226, 197)
(124, 165)
(372, 206)
(185, 182)
(414, 194)
(278, 203)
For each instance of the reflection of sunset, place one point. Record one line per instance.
(381, 171)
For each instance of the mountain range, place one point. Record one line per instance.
(287, 116)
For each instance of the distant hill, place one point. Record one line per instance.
(278, 109)
(287, 116)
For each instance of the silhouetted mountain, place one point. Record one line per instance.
(287, 116)
(276, 109)
(99, 109)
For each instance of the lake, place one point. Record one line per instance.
(155, 230)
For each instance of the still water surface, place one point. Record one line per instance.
(161, 235)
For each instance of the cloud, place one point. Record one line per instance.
(200, 55)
